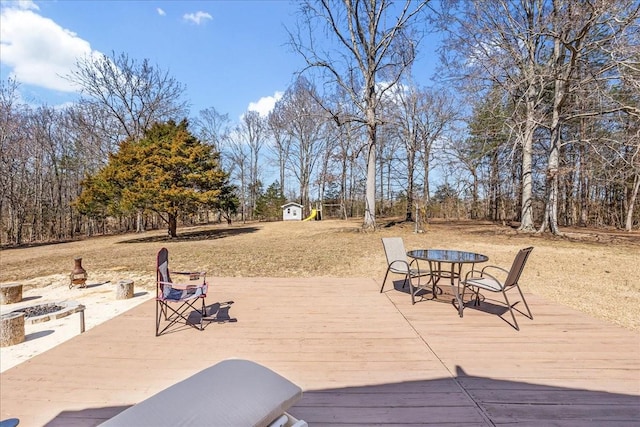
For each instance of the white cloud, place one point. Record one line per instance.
(38, 50)
(197, 17)
(22, 4)
(265, 104)
(161, 12)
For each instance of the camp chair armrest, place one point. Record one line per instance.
(183, 285)
(193, 275)
(202, 273)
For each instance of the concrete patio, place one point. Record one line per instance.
(362, 358)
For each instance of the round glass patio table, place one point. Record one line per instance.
(456, 259)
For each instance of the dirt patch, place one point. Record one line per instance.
(594, 271)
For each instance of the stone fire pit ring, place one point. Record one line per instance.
(50, 311)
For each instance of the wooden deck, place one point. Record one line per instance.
(361, 357)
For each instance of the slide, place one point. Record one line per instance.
(312, 216)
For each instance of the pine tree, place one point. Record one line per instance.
(168, 171)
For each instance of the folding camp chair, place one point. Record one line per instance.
(185, 296)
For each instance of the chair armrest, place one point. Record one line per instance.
(184, 285)
(473, 273)
(495, 267)
(406, 264)
(483, 274)
(193, 275)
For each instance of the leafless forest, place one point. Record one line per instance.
(533, 118)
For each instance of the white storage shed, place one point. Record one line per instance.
(292, 212)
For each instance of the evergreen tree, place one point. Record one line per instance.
(269, 204)
(168, 171)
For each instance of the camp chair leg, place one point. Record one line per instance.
(173, 316)
(158, 314)
(203, 313)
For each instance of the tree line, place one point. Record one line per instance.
(535, 120)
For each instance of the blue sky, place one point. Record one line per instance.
(231, 55)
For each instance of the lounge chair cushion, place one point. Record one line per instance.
(231, 393)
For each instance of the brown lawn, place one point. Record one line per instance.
(593, 271)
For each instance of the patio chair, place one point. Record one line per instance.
(182, 296)
(398, 263)
(233, 392)
(477, 280)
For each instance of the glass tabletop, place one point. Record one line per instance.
(447, 255)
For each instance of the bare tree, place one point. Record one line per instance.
(348, 135)
(96, 130)
(213, 127)
(237, 152)
(417, 118)
(375, 47)
(253, 131)
(136, 94)
(557, 60)
(305, 123)
(14, 155)
(281, 139)
(579, 33)
(499, 42)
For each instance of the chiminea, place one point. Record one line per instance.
(78, 275)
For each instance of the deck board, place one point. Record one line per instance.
(361, 357)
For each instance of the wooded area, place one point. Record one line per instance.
(534, 119)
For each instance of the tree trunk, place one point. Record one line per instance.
(370, 191)
(173, 226)
(550, 220)
(139, 222)
(410, 184)
(632, 200)
(526, 216)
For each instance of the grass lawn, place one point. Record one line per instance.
(593, 271)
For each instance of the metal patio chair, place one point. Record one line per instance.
(476, 280)
(398, 263)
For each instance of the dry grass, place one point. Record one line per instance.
(594, 272)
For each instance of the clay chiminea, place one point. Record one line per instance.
(78, 275)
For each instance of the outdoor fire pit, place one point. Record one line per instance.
(40, 312)
(12, 323)
(49, 311)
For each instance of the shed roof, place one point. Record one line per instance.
(291, 204)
